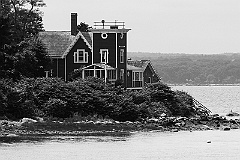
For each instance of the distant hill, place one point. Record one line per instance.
(180, 68)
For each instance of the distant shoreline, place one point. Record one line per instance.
(169, 84)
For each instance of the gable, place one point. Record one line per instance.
(145, 65)
(59, 43)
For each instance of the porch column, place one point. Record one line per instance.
(94, 71)
(83, 73)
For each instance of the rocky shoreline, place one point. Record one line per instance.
(31, 127)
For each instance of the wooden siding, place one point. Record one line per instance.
(122, 44)
(70, 57)
(129, 79)
(108, 43)
(148, 73)
(58, 67)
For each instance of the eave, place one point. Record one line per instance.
(109, 30)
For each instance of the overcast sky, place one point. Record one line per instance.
(166, 26)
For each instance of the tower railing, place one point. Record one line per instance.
(109, 25)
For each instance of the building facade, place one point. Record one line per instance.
(101, 52)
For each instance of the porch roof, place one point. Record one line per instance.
(101, 65)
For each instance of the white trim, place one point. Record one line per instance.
(122, 35)
(111, 74)
(92, 48)
(121, 76)
(104, 35)
(84, 39)
(105, 56)
(109, 30)
(116, 50)
(153, 69)
(122, 51)
(74, 42)
(140, 76)
(76, 56)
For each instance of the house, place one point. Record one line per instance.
(101, 52)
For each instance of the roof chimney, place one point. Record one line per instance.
(74, 24)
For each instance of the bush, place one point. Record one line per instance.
(91, 96)
(56, 108)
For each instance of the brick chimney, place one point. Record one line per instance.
(74, 24)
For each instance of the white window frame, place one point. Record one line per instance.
(111, 75)
(121, 74)
(104, 55)
(76, 56)
(122, 55)
(140, 76)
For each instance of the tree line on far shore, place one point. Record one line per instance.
(195, 68)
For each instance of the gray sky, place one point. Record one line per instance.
(166, 26)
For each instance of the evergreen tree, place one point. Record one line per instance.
(21, 52)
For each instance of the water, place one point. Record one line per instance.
(143, 145)
(219, 99)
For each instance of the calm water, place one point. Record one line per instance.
(219, 99)
(141, 145)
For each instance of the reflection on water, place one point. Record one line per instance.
(60, 139)
(138, 146)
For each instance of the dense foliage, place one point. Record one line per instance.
(52, 97)
(21, 52)
(195, 68)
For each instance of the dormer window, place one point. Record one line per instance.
(104, 55)
(81, 56)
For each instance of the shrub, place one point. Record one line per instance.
(56, 108)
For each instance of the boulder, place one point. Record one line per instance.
(226, 128)
(231, 113)
(27, 121)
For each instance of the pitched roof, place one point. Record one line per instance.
(59, 43)
(56, 42)
(139, 63)
(88, 37)
(133, 68)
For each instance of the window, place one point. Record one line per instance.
(104, 55)
(104, 35)
(80, 56)
(122, 74)
(111, 74)
(121, 55)
(137, 76)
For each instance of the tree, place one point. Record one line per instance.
(31, 60)
(83, 27)
(21, 53)
(25, 17)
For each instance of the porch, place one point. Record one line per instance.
(100, 70)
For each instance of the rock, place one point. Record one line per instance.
(231, 113)
(174, 130)
(27, 120)
(226, 128)
(39, 119)
(163, 115)
(152, 120)
(11, 135)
